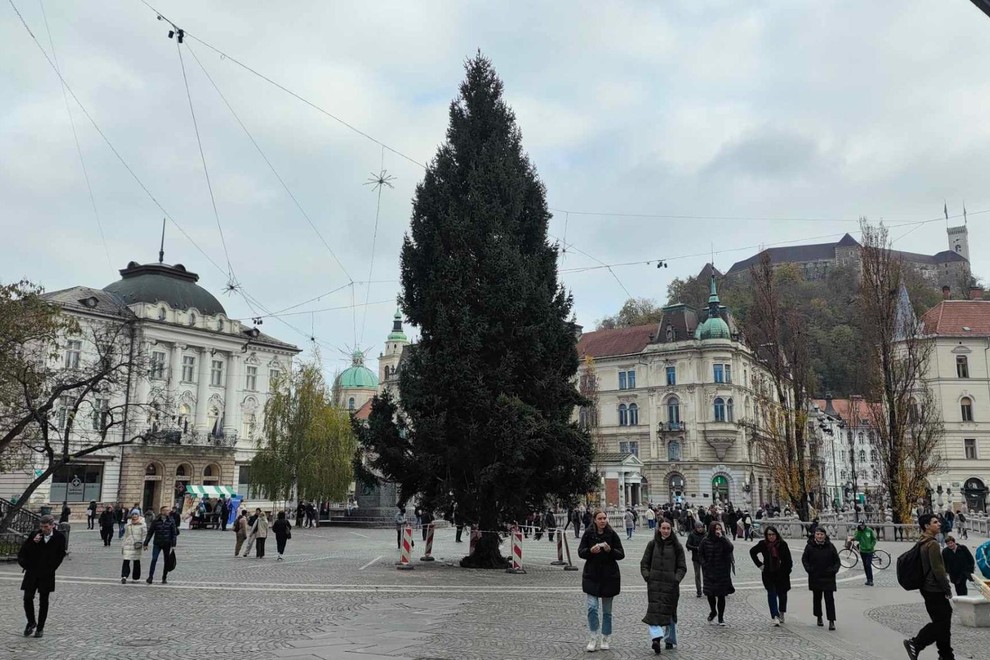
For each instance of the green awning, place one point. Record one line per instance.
(210, 491)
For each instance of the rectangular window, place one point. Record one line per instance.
(622, 380)
(719, 374)
(77, 483)
(962, 367)
(216, 373)
(157, 365)
(728, 373)
(631, 380)
(970, 445)
(100, 414)
(252, 379)
(273, 377)
(634, 448)
(244, 481)
(62, 412)
(672, 375)
(73, 351)
(188, 368)
(623, 447)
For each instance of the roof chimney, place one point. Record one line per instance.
(946, 292)
(976, 293)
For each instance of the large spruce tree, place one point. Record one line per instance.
(487, 394)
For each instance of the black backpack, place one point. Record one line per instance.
(910, 572)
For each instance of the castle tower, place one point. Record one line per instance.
(388, 362)
(959, 240)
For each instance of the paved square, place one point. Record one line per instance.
(337, 596)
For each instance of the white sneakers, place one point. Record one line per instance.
(592, 644)
(603, 645)
(776, 622)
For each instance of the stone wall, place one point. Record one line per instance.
(167, 461)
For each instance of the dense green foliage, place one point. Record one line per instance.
(487, 392)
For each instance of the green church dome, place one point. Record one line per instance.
(357, 376)
(714, 327)
(397, 334)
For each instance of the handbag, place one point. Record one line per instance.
(288, 533)
(170, 561)
(138, 545)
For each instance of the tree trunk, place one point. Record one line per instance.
(487, 554)
(23, 499)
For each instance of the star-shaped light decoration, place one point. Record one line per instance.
(380, 180)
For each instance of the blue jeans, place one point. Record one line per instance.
(120, 534)
(593, 614)
(777, 600)
(669, 633)
(629, 531)
(867, 558)
(155, 551)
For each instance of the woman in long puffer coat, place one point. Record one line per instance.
(663, 567)
(132, 547)
(821, 561)
(776, 565)
(717, 563)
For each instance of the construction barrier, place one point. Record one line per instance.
(560, 552)
(429, 544)
(407, 541)
(567, 548)
(516, 566)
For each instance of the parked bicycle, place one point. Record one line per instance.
(849, 556)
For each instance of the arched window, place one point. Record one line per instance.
(623, 415)
(386, 372)
(192, 319)
(966, 408)
(719, 409)
(633, 414)
(161, 313)
(211, 474)
(962, 366)
(350, 403)
(180, 471)
(674, 451)
(150, 471)
(728, 410)
(673, 411)
(861, 436)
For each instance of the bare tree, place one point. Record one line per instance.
(76, 403)
(906, 416)
(775, 329)
(588, 414)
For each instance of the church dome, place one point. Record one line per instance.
(357, 376)
(397, 333)
(173, 285)
(714, 327)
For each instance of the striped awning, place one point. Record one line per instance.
(210, 491)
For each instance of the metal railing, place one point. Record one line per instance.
(24, 521)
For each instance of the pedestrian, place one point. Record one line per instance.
(120, 518)
(630, 523)
(867, 540)
(601, 549)
(959, 564)
(773, 557)
(576, 521)
(458, 524)
(224, 507)
(961, 525)
(106, 525)
(586, 519)
(651, 518)
(240, 531)
(937, 593)
(663, 567)
(132, 547)
(91, 515)
(821, 561)
(717, 564)
(425, 519)
(747, 526)
(259, 532)
(283, 532)
(66, 512)
(550, 521)
(400, 524)
(164, 532)
(248, 527)
(40, 556)
(300, 513)
(694, 540)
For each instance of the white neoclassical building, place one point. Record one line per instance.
(846, 450)
(214, 372)
(673, 402)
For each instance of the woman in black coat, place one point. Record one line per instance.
(821, 561)
(776, 565)
(601, 549)
(283, 532)
(663, 567)
(717, 564)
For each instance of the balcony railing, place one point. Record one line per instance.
(671, 427)
(175, 437)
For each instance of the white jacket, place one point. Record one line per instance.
(133, 533)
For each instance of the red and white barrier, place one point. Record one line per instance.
(407, 541)
(516, 566)
(560, 552)
(567, 548)
(428, 556)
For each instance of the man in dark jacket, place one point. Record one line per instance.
(550, 522)
(959, 563)
(106, 525)
(40, 556)
(694, 540)
(937, 593)
(164, 532)
(224, 506)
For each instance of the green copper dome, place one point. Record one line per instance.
(713, 327)
(357, 376)
(397, 334)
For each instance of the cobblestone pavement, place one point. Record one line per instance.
(337, 596)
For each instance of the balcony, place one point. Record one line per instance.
(175, 437)
(671, 427)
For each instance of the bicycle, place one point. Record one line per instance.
(849, 556)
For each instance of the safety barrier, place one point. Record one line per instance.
(560, 552)
(428, 555)
(516, 566)
(407, 541)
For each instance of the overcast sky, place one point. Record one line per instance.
(815, 112)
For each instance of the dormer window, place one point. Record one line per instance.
(161, 313)
(220, 325)
(192, 318)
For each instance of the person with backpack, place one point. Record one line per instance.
(601, 549)
(959, 563)
(776, 571)
(922, 568)
(821, 561)
(663, 567)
